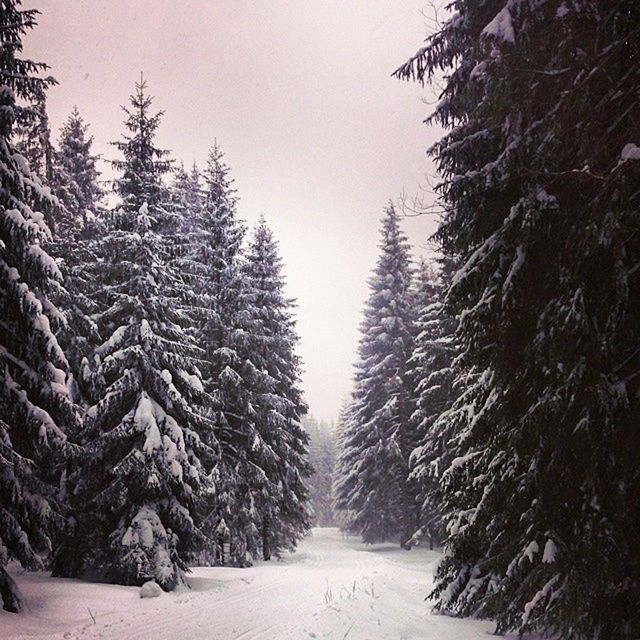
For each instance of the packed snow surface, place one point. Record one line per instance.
(332, 587)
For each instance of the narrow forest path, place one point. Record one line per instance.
(331, 588)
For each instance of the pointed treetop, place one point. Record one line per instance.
(216, 176)
(144, 163)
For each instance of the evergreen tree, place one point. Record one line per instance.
(187, 193)
(434, 377)
(343, 478)
(540, 184)
(77, 245)
(75, 175)
(186, 202)
(279, 449)
(35, 410)
(146, 466)
(215, 260)
(374, 460)
(33, 138)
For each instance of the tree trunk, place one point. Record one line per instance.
(407, 523)
(266, 545)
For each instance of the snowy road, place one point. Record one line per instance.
(332, 588)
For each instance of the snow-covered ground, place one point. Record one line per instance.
(330, 588)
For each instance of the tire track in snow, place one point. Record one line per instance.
(285, 600)
(325, 591)
(206, 615)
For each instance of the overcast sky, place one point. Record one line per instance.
(299, 96)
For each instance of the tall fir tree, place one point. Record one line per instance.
(279, 449)
(540, 185)
(187, 193)
(433, 374)
(374, 461)
(216, 259)
(75, 175)
(77, 247)
(35, 409)
(186, 202)
(146, 465)
(33, 138)
(342, 480)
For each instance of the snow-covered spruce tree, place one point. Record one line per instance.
(33, 138)
(215, 259)
(187, 194)
(433, 373)
(279, 448)
(540, 182)
(145, 466)
(35, 410)
(343, 479)
(75, 174)
(374, 459)
(186, 202)
(78, 231)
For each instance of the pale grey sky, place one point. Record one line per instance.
(299, 96)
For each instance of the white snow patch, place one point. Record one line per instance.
(540, 595)
(143, 529)
(192, 380)
(145, 420)
(501, 27)
(150, 589)
(630, 151)
(146, 333)
(531, 550)
(550, 551)
(478, 71)
(114, 341)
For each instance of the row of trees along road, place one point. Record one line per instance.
(498, 410)
(150, 402)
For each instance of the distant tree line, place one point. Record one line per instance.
(150, 401)
(322, 458)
